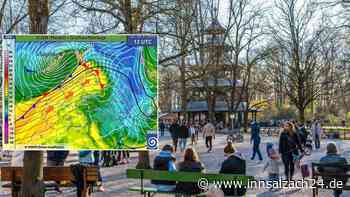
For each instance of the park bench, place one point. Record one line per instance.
(191, 177)
(344, 133)
(270, 131)
(59, 174)
(318, 176)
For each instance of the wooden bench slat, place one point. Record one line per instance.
(57, 173)
(184, 176)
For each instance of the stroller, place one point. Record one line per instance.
(235, 137)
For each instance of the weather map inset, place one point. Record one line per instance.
(79, 92)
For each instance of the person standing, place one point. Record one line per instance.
(174, 132)
(183, 135)
(209, 135)
(272, 164)
(192, 131)
(316, 133)
(255, 139)
(97, 160)
(162, 128)
(56, 158)
(123, 157)
(288, 148)
(303, 134)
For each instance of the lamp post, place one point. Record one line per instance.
(232, 116)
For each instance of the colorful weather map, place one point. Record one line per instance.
(79, 92)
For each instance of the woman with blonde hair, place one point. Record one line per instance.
(288, 147)
(191, 163)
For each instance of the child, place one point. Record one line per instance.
(305, 162)
(273, 163)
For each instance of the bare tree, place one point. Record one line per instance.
(32, 180)
(12, 13)
(297, 50)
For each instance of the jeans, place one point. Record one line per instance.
(274, 177)
(337, 192)
(183, 142)
(317, 141)
(288, 165)
(209, 142)
(175, 141)
(256, 150)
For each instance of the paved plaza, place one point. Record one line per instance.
(116, 183)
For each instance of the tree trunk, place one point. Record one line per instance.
(245, 120)
(301, 115)
(131, 28)
(32, 180)
(211, 106)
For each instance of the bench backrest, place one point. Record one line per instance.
(184, 176)
(316, 173)
(62, 173)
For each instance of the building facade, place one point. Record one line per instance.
(210, 95)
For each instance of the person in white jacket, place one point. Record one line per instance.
(316, 133)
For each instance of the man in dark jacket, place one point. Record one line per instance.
(174, 132)
(334, 164)
(162, 128)
(183, 135)
(255, 138)
(234, 164)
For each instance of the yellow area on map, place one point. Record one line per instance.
(56, 117)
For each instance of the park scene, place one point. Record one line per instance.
(251, 98)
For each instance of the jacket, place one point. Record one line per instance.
(208, 130)
(164, 161)
(272, 166)
(289, 144)
(334, 160)
(255, 133)
(174, 130)
(189, 188)
(234, 164)
(184, 132)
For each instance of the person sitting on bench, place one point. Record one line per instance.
(336, 162)
(191, 163)
(234, 164)
(165, 161)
